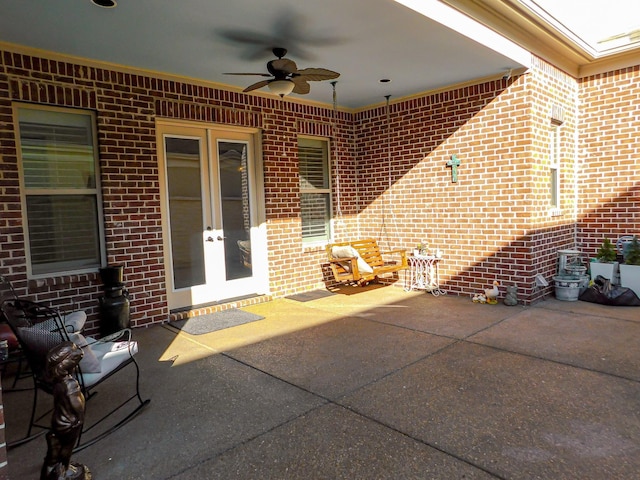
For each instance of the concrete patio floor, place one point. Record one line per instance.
(379, 383)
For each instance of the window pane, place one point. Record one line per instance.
(313, 164)
(59, 173)
(55, 154)
(63, 232)
(315, 216)
(315, 196)
(554, 179)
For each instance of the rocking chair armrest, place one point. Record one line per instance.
(115, 337)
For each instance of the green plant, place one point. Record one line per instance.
(632, 252)
(607, 252)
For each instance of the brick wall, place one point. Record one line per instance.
(126, 107)
(390, 174)
(495, 222)
(609, 138)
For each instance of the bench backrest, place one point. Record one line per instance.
(369, 251)
(367, 248)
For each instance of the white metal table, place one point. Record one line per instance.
(423, 274)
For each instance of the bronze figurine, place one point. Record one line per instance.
(68, 415)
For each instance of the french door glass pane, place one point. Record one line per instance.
(185, 211)
(236, 220)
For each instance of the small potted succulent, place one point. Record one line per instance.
(605, 263)
(630, 269)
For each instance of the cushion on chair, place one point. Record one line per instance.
(348, 251)
(38, 340)
(110, 355)
(41, 340)
(89, 362)
(74, 321)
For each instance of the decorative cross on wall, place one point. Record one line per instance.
(454, 163)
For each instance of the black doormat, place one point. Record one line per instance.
(312, 295)
(212, 322)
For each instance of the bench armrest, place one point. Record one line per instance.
(352, 261)
(402, 253)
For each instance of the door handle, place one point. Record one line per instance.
(209, 239)
(220, 238)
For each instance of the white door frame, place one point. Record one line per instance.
(217, 288)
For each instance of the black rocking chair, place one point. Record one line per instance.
(38, 329)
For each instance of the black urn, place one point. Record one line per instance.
(115, 304)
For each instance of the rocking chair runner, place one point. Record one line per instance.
(39, 328)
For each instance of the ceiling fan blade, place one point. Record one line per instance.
(260, 74)
(257, 85)
(317, 74)
(300, 85)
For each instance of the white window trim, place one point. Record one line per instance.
(555, 168)
(311, 243)
(23, 192)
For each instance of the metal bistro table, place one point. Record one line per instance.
(423, 274)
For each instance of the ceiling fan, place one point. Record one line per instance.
(286, 77)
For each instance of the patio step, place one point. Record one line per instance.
(190, 312)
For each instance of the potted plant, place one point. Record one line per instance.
(605, 263)
(421, 249)
(630, 269)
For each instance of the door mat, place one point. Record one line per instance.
(312, 295)
(212, 322)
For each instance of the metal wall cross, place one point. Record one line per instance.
(454, 163)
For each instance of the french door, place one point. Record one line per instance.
(215, 245)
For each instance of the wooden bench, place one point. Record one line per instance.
(345, 265)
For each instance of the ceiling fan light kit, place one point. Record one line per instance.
(281, 87)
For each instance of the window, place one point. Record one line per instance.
(61, 196)
(554, 167)
(315, 191)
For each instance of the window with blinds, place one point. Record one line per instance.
(554, 167)
(61, 194)
(315, 189)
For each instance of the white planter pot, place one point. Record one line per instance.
(608, 270)
(630, 277)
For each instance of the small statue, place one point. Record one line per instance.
(492, 293)
(511, 298)
(68, 415)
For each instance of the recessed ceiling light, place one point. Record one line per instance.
(105, 3)
(384, 80)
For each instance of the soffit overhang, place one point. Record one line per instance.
(514, 21)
